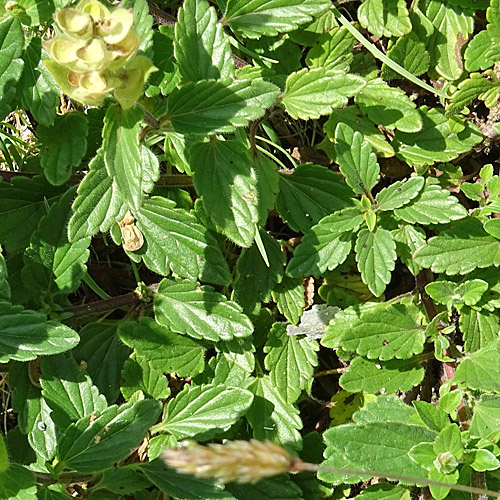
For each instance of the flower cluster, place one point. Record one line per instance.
(96, 54)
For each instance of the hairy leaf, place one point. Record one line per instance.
(332, 51)
(385, 18)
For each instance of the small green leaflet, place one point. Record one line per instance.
(478, 86)
(399, 193)
(11, 42)
(479, 328)
(408, 240)
(409, 52)
(311, 93)
(289, 296)
(486, 418)
(139, 375)
(383, 331)
(270, 17)
(205, 410)
(333, 51)
(210, 106)
(91, 446)
(199, 311)
(43, 438)
(202, 49)
(225, 179)
(449, 293)
(476, 52)
(122, 155)
(356, 159)
(165, 350)
(385, 18)
(290, 361)
(434, 417)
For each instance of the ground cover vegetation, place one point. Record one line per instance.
(237, 220)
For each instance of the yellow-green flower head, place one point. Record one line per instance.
(95, 54)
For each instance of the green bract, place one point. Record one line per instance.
(96, 54)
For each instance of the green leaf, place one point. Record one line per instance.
(333, 51)
(23, 201)
(476, 52)
(26, 398)
(437, 141)
(310, 193)
(381, 446)
(180, 485)
(409, 52)
(408, 240)
(17, 483)
(388, 106)
(122, 155)
(270, 417)
(5, 293)
(199, 311)
(43, 437)
(385, 18)
(289, 296)
(143, 23)
(165, 350)
(35, 12)
(205, 410)
(68, 391)
(52, 263)
(8, 86)
(478, 327)
(311, 93)
(103, 354)
(376, 258)
(384, 332)
(225, 180)
(356, 159)
(202, 48)
(433, 205)
(384, 491)
(98, 203)
(452, 24)
(267, 185)
(11, 42)
(176, 241)
(290, 361)
(25, 334)
(276, 488)
(93, 446)
(399, 193)
(270, 17)
(387, 376)
(207, 107)
(139, 375)
(4, 459)
(327, 245)
(448, 293)
(63, 146)
(475, 371)
(460, 249)
(478, 86)
(486, 418)
(434, 417)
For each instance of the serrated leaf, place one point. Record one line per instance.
(460, 249)
(139, 375)
(122, 155)
(204, 411)
(333, 50)
(477, 86)
(201, 47)
(225, 180)
(311, 93)
(210, 106)
(11, 42)
(92, 446)
(452, 25)
(43, 436)
(143, 23)
(376, 258)
(23, 202)
(408, 240)
(387, 376)
(254, 19)
(310, 193)
(479, 328)
(52, 263)
(476, 52)
(8, 86)
(399, 193)
(385, 18)
(327, 245)
(289, 296)
(267, 185)
(449, 293)
(476, 372)
(433, 205)
(271, 418)
(384, 491)
(356, 159)
(199, 311)
(290, 361)
(434, 417)
(17, 483)
(175, 241)
(409, 52)
(103, 354)
(68, 391)
(383, 332)
(486, 418)
(98, 203)
(165, 350)
(437, 141)
(388, 106)
(26, 334)
(276, 488)
(180, 485)
(63, 146)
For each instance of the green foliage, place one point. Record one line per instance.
(235, 220)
